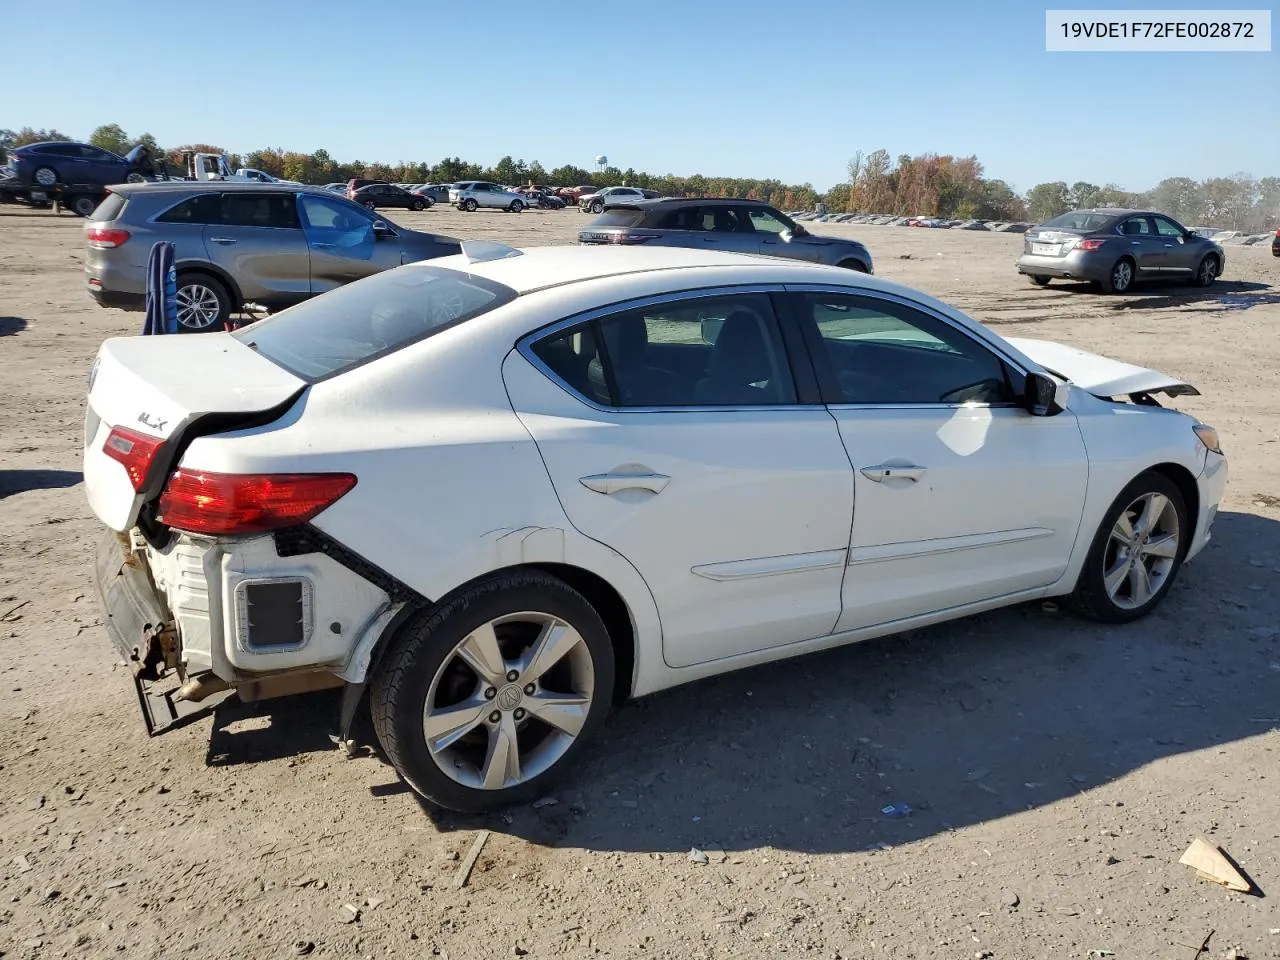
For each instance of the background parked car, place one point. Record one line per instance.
(48, 165)
(236, 243)
(1115, 248)
(389, 195)
(470, 195)
(573, 194)
(595, 202)
(1275, 244)
(737, 226)
(438, 192)
(355, 183)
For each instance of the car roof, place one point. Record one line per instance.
(537, 268)
(656, 203)
(181, 186)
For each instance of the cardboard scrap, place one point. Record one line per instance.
(1210, 864)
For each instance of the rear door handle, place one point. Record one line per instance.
(222, 239)
(893, 471)
(609, 483)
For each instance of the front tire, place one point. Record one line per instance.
(45, 177)
(516, 206)
(486, 699)
(857, 266)
(370, 205)
(1207, 271)
(416, 206)
(83, 206)
(1136, 553)
(597, 208)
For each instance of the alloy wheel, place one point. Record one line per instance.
(1122, 276)
(509, 700)
(1142, 551)
(46, 177)
(1208, 271)
(198, 306)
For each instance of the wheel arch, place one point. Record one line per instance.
(188, 267)
(1185, 481)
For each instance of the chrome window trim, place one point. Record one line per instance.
(524, 346)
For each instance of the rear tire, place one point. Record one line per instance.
(416, 206)
(370, 205)
(45, 177)
(1120, 279)
(425, 675)
(1207, 272)
(204, 302)
(857, 266)
(470, 205)
(83, 206)
(1039, 281)
(1105, 590)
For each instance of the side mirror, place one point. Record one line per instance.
(380, 229)
(1043, 396)
(785, 236)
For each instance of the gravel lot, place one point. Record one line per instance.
(1056, 769)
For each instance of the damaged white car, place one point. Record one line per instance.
(503, 490)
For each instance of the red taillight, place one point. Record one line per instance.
(1088, 245)
(220, 503)
(136, 451)
(104, 238)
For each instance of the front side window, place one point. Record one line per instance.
(877, 351)
(259, 210)
(1167, 228)
(370, 318)
(705, 351)
(336, 224)
(764, 220)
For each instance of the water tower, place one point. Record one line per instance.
(601, 161)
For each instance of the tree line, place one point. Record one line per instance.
(936, 185)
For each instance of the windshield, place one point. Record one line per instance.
(371, 318)
(621, 217)
(1084, 220)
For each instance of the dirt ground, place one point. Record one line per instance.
(1056, 769)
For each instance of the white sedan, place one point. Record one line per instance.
(508, 488)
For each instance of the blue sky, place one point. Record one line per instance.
(748, 88)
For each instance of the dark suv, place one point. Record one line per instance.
(735, 226)
(235, 243)
(49, 165)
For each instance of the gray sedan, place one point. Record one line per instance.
(241, 242)
(708, 223)
(1115, 249)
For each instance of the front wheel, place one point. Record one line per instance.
(597, 207)
(1136, 553)
(1207, 272)
(46, 177)
(516, 206)
(370, 205)
(83, 206)
(416, 206)
(487, 699)
(857, 266)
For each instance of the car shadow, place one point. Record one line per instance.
(11, 325)
(247, 733)
(1224, 296)
(964, 723)
(20, 481)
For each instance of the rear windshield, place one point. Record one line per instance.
(371, 318)
(110, 208)
(1079, 220)
(619, 218)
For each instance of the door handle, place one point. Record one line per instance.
(893, 471)
(1135, 243)
(323, 246)
(1168, 246)
(222, 239)
(609, 483)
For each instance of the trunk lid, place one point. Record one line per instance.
(170, 389)
(1101, 376)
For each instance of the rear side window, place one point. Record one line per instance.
(619, 218)
(1079, 220)
(203, 208)
(371, 318)
(259, 210)
(112, 208)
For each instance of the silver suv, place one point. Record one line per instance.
(234, 243)
(470, 195)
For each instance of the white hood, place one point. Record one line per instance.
(1101, 376)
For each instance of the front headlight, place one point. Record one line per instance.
(1208, 436)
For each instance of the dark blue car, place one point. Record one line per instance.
(73, 164)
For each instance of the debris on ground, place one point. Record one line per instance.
(349, 913)
(1102, 953)
(302, 947)
(1211, 864)
(464, 871)
(896, 810)
(698, 857)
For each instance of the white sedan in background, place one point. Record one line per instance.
(508, 488)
